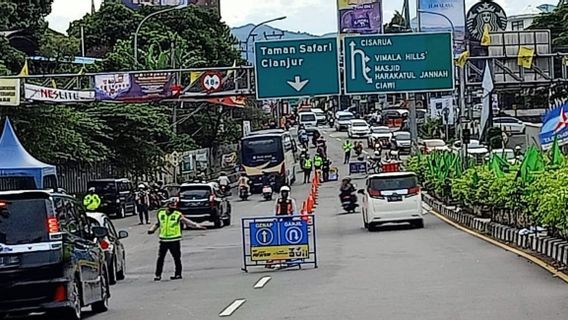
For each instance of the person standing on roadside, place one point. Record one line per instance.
(347, 148)
(169, 223)
(307, 167)
(325, 169)
(143, 204)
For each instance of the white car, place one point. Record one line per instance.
(392, 198)
(379, 134)
(474, 148)
(320, 115)
(358, 129)
(509, 125)
(431, 145)
(307, 119)
(507, 155)
(342, 120)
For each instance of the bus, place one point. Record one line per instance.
(272, 151)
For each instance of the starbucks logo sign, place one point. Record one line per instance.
(482, 14)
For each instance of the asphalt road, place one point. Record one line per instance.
(395, 273)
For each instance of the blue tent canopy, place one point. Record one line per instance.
(16, 162)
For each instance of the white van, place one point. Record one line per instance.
(392, 198)
(308, 119)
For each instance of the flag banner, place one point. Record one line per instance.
(462, 59)
(9, 92)
(554, 126)
(360, 16)
(47, 94)
(435, 16)
(486, 111)
(525, 59)
(133, 87)
(136, 4)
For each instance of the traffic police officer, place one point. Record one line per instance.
(347, 148)
(318, 163)
(92, 201)
(307, 167)
(169, 223)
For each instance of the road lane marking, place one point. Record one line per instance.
(262, 282)
(539, 262)
(232, 308)
(338, 139)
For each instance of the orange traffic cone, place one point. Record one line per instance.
(304, 212)
(310, 204)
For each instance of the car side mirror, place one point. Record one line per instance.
(122, 234)
(361, 191)
(99, 232)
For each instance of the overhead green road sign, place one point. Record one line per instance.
(399, 63)
(297, 68)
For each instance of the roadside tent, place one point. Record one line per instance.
(18, 169)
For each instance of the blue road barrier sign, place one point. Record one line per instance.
(264, 234)
(358, 167)
(293, 232)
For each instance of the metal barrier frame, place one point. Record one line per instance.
(312, 240)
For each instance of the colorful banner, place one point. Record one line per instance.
(436, 15)
(136, 4)
(47, 94)
(360, 16)
(554, 123)
(133, 87)
(9, 92)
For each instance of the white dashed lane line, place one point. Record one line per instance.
(262, 282)
(232, 308)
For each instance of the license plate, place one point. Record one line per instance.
(266, 190)
(394, 198)
(6, 261)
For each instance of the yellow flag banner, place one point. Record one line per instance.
(194, 76)
(462, 59)
(525, 59)
(25, 70)
(486, 38)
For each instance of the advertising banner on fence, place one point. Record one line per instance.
(360, 16)
(9, 92)
(47, 94)
(554, 123)
(444, 15)
(133, 87)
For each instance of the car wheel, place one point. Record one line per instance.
(121, 275)
(112, 272)
(227, 220)
(74, 297)
(102, 305)
(218, 222)
(418, 224)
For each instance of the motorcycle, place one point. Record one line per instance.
(225, 190)
(267, 192)
(349, 203)
(243, 193)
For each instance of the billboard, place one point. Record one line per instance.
(9, 92)
(360, 16)
(554, 123)
(133, 87)
(436, 15)
(47, 94)
(136, 4)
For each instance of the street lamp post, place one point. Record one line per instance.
(140, 26)
(256, 27)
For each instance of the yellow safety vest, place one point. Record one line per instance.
(347, 147)
(170, 225)
(307, 164)
(318, 161)
(92, 202)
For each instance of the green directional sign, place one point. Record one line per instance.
(297, 68)
(399, 63)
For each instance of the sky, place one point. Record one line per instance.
(312, 16)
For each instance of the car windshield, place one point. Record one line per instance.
(103, 187)
(393, 183)
(402, 135)
(346, 117)
(435, 143)
(307, 117)
(381, 130)
(318, 113)
(359, 124)
(195, 193)
(23, 221)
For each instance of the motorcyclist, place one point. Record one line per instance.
(303, 136)
(358, 148)
(244, 182)
(285, 205)
(347, 189)
(266, 179)
(224, 182)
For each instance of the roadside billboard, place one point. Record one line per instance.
(133, 87)
(136, 4)
(444, 15)
(47, 94)
(554, 123)
(360, 16)
(9, 92)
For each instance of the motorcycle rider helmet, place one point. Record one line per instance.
(92, 189)
(346, 179)
(172, 203)
(285, 191)
(141, 186)
(377, 154)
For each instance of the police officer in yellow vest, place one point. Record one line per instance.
(347, 148)
(307, 167)
(318, 163)
(92, 201)
(169, 223)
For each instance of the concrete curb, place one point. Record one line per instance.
(553, 248)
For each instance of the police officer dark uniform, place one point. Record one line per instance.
(169, 223)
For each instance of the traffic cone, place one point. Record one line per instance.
(310, 204)
(304, 212)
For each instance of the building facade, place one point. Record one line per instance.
(525, 19)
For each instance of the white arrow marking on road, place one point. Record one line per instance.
(298, 84)
(232, 308)
(262, 282)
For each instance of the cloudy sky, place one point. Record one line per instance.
(313, 16)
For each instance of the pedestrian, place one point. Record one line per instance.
(307, 167)
(169, 221)
(92, 201)
(326, 168)
(143, 204)
(347, 148)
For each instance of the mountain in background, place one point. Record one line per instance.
(267, 32)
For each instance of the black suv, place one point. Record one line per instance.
(50, 259)
(117, 196)
(204, 202)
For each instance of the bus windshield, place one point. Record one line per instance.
(258, 151)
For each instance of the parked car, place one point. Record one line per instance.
(475, 150)
(401, 141)
(358, 129)
(430, 145)
(509, 125)
(392, 198)
(115, 255)
(118, 197)
(320, 115)
(342, 120)
(50, 259)
(380, 135)
(203, 202)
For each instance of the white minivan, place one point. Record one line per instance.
(393, 197)
(307, 119)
